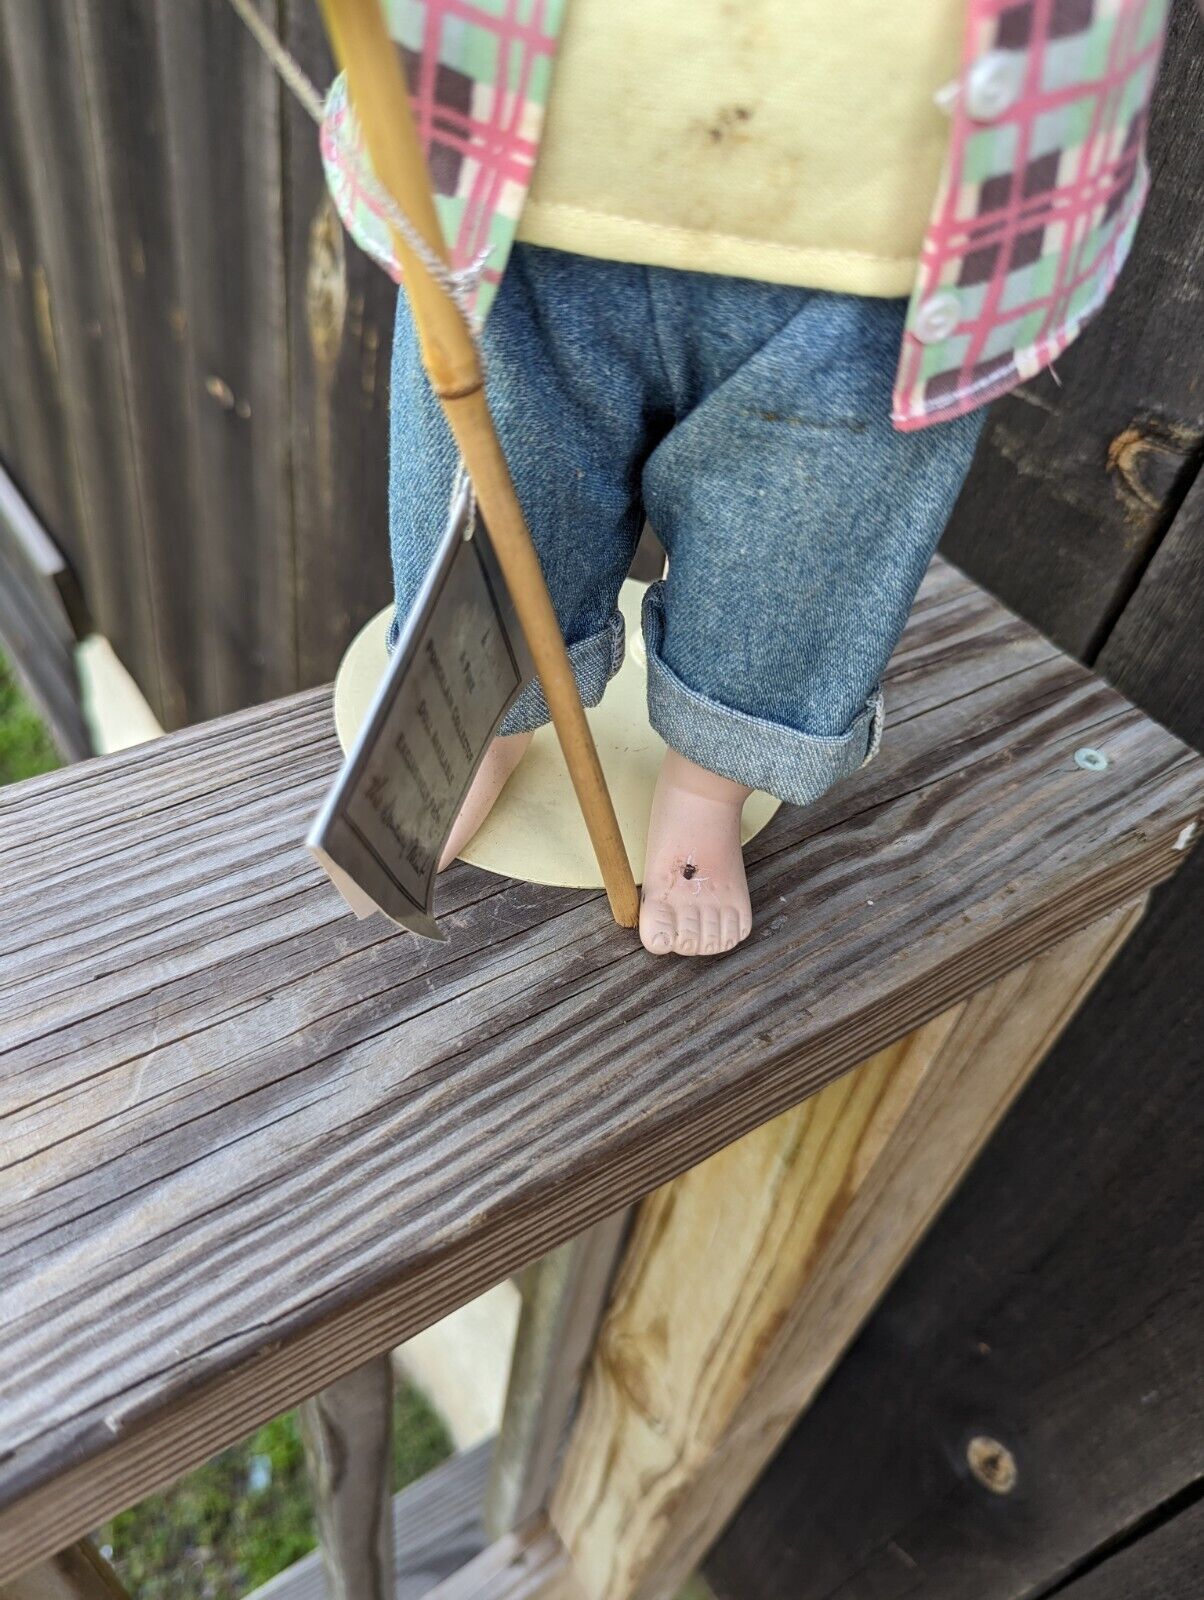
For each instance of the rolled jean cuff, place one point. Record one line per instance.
(594, 660)
(796, 767)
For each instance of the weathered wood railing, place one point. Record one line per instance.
(250, 1144)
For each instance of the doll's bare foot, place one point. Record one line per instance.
(695, 898)
(503, 755)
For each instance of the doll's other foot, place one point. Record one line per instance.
(695, 900)
(500, 760)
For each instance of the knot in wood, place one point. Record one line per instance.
(326, 285)
(1148, 459)
(992, 1463)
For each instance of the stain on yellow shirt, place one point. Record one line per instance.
(790, 140)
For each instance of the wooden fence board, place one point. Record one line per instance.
(563, 1298)
(1156, 650)
(348, 1434)
(1056, 1307)
(437, 1530)
(35, 449)
(748, 1277)
(195, 385)
(71, 271)
(1166, 1563)
(345, 1132)
(121, 62)
(340, 337)
(529, 1564)
(163, 406)
(222, 104)
(1083, 473)
(77, 1573)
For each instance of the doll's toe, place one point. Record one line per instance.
(658, 929)
(689, 933)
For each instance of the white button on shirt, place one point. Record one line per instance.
(993, 84)
(937, 317)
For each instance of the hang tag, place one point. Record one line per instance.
(458, 666)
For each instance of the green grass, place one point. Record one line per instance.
(246, 1515)
(25, 746)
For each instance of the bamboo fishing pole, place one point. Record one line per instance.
(378, 92)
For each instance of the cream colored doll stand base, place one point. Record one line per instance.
(535, 831)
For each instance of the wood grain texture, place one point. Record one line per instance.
(528, 1564)
(347, 1430)
(157, 403)
(1056, 1306)
(248, 1142)
(120, 59)
(78, 313)
(1077, 476)
(221, 104)
(340, 338)
(747, 1278)
(437, 1530)
(563, 1297)
(1165, 1563)
(34, 443)
(1156, 649)
(78, 1573)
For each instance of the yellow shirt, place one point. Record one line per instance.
(791, 140)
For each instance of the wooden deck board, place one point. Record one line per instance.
(248, 1142)
(437, 1529)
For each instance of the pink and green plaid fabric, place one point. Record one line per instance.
(478, 73)
(1037, 207)
(1032, 222)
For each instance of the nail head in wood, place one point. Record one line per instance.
(1091, 760)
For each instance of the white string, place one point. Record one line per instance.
(287, 66)
(461, 283)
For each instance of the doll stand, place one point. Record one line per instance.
(536, 831)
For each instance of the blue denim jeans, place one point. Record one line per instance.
(750, 423)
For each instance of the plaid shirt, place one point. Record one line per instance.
(478, 72)
(1043, 185)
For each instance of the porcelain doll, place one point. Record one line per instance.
(770, 260)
